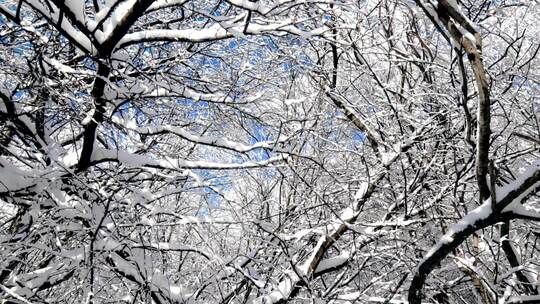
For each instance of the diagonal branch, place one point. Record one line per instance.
(481, 217)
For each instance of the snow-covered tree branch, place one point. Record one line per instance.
(269, 151)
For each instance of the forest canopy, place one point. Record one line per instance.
(269, 151)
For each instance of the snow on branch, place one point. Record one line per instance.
(162, 90)
(205, 140)
(77, 35)
(61, 67)
(139, 272)
(524, 300)
(213, 33)
(161, 4)
(508, 198)
(165, 246)
(136, 160)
